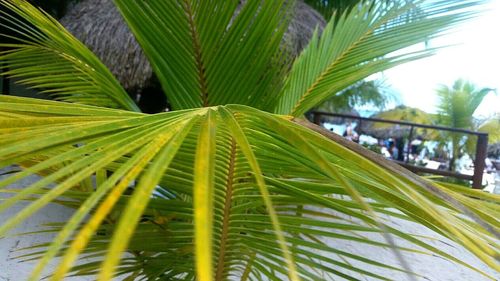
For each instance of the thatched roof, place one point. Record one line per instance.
(304, 22)
(400, 113)
(99, 25)
(395, 131)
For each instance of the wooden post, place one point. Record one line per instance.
(408, 147)
(481, 149)
(317, 118)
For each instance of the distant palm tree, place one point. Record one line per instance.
(456, 107)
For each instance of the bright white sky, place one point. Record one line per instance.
(476, 58)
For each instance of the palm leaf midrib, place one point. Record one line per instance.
(198, 57)
(221, 261)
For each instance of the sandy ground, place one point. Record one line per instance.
(430, 267)
(433, 268)
(12, 269)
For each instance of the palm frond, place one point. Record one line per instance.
(48, 58)
(196, 48)
(272, 210)
(203, 189)
(364, 42)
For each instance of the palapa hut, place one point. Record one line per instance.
(99, 25)
(400, 113)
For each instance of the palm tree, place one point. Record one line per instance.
(233, 183)
(456, 107)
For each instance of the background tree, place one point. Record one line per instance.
(232, 184)
(492, 127)
(456, 107)
(362, 94)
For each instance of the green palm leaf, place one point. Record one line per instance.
(205, 42)
(301, 206)
(362, 43)
(203, 188)
(53, 61)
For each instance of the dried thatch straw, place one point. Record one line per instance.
(304, 22)
(99, 25)
(400, 113)
(395, 131)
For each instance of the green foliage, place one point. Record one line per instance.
(225, 188)
(362, 93)
(328, 8)
(492, 127)
(207, 69)
(358, 45)
(52, 60)
(456, 107)
(373, 147)
(335, 8)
